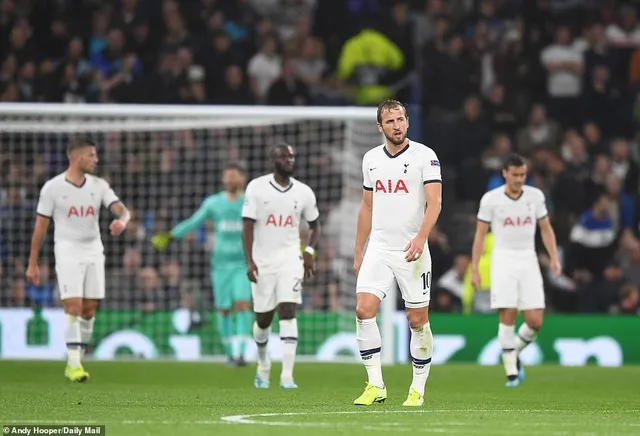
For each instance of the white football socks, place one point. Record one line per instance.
(525, 336)
(73, 339)
(289, 340)
(370, 345)
(507, 339)
(421, 346)
(261, 336)
(86, 331)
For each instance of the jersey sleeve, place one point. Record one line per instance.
(366, 180)
(45, 202)
(310, 213)
(109, 197)
(250, 206)
(195, 221)
(541, 206)
(431, 168)
(485, 211)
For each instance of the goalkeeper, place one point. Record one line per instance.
(231, 287)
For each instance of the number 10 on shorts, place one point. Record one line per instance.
(426, 282)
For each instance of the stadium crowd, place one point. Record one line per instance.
(555, 80)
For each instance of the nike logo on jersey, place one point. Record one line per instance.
(371, 169)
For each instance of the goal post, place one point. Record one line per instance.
(163, 161)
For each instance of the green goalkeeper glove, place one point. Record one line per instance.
(161, 240)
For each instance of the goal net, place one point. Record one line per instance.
(162, 162)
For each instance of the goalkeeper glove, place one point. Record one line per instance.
(161, 240)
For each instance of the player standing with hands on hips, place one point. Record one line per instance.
(273, 208)
(73, 201)
(401, 202)
(514, 211)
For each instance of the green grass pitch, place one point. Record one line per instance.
(189, 399)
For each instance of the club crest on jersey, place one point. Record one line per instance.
(406, 167)
(391, 186)
(517, 222)
(81, 212)
(279, 220)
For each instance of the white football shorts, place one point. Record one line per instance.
(516, 283)
(380, 268)
(81, 278)
(272, 289)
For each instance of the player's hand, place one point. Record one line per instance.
(161, 240)
(357, 262)
(252, 272)
(475, 279)
(117, 227)
(33, 274)
(309, 266)
(414, 248)
(555, 267)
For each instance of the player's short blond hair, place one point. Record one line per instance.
(388, 106)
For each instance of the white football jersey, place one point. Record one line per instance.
(513, 222)
(75, 211)
(399, 200)
(277, 212)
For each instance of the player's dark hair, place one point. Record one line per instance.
(236, 166)
(389, 105)
(79, 142)
(274, 150)
(513, 160)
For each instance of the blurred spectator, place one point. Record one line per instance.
(288, 90)
(564, 65)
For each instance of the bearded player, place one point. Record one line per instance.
(273, 209)
(513, 212)
(73, 201)
(401, 203)
(232, 290)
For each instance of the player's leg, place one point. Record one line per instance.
(288, 296)
(414, 281)
(242, 313)
(374, 281)
(531, 303)
(504, 299)
(70, 276)
(223, 301)
(264, 305)
(87, 319)
(507, 340)
(289, 340)
(94, 291)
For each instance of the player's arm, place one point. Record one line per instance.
(363, 228)
(121, 211)
(194, 222)
(44, 212)
(485, 214)
(482, 228)
(249, 218)
(547, 234)
(162, 239)
(433, 194)
(111, 201)
(39, 234)
(549, 240)
(311, 215)
(432, 182)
